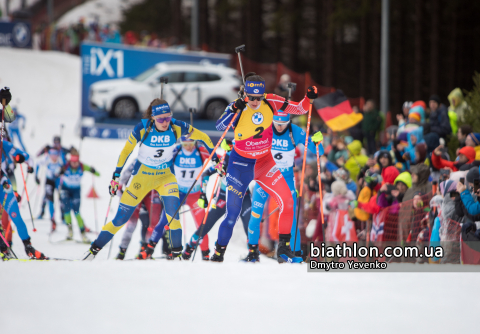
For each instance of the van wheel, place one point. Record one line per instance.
(124, 108)
(215, 109)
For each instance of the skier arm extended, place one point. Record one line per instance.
(132, 141)
(297, 108)
(90, 169)
(299, 138)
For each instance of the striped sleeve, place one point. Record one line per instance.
(296, 108)
(225, 119)
(132, 141)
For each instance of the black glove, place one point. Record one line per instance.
(37, 180)
(5, 94)
(312, 92)
(30, 170)
(113, 187)
(92, 170)
(238, 105)
(18, 197)
(19, 158)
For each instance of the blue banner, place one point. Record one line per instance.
(15, 34)
(117, 71)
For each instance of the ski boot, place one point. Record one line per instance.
(88, 230)
(91, 253)
(5, 253)
(32, 253)
(54, 226)
(85, 239)
(206, 255)
(121, 254)
(148, 252)
(175, 254)
(70, 232)
(284, 253)
(187, 253)
(300, 255)
(253, 254)
(165, 246)
(219, 253)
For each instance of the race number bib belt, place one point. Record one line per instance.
(157, 149)
(253, 133)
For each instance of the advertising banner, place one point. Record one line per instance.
(15, 34)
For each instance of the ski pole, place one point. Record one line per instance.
(203, 168)
(205, 218)
(271, 213)
(239, 49)
(28, 200)
(303, 172)
(320, 194)
(105, 222)
(95, 204)
(192, 111)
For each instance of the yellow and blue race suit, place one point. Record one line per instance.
(152, 172)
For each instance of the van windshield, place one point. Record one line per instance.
(145, 75)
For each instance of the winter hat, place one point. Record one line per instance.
(475, 137)
(456, 176)
(473, 174)
(281, 116)
(403, 138)
(435, 98)
(405, 178)
(389, 174)
(447, 186)
(339, 188)
(415, 116)
(469, 152)
(420, 110)
(419, 103)
(341, 174)
(407, 104)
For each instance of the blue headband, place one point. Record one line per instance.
(255, 87)
(160, 109)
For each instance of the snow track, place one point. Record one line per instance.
(107, 296)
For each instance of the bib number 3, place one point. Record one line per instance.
(159, 154)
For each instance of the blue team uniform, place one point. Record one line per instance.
(14, 127)
(283, 152)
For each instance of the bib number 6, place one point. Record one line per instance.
(159, 154)
(278, 156)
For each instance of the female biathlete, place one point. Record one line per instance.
(148, 211)
(286, 137)
(157, 135)
(188, 160)
(70, 191)
(251, 160)
(218, 211)
(7, 196)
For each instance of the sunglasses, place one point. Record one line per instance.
(281, 123)
(163, 120)
(255, 98)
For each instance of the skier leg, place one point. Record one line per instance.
(132, 196)
(198, 214)
(259, 199)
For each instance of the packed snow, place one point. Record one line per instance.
(109, 296)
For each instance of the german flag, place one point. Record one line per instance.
(336, 111)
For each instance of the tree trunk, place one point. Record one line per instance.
(434, 46)
(376, 32)
(329, 64)
(204, 35)
(177, 22)
(417, 76)
(363, 56)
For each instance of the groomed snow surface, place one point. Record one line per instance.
(108, 296)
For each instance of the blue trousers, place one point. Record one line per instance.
(16, 132)
(11, 206)
(259, 199)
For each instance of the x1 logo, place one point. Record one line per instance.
(178, 98)
(105, 62)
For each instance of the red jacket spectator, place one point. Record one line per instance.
(466, 156)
